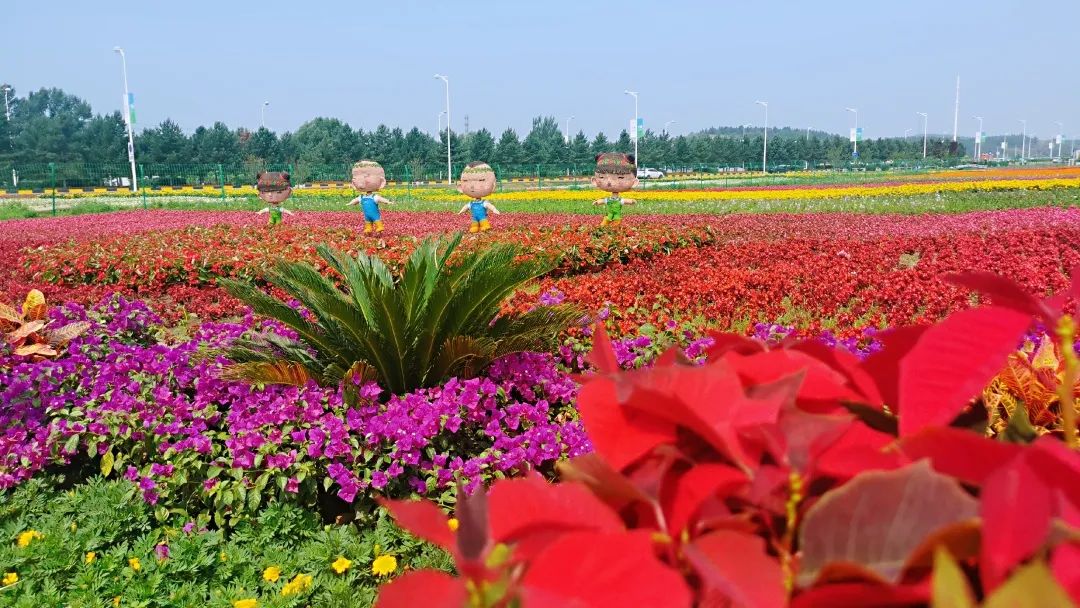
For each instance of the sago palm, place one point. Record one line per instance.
(435, 321)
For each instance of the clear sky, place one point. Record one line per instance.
(699, 63)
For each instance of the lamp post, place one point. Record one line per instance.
(906, 131)
(923, 115)
(449, 175)
(634, 95)
(765, 146)
(262, 114)
(670, 122)
(855, 138)
(1023, 141)
(7, 106)
(978, 139)
(438, 129)
(1061, 144)
(568, 119)
(127, 120)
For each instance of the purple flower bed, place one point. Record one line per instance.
(156, 412)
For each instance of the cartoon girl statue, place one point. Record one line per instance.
(368, 178)
(477, 181)
(274, 187)
(615, 173)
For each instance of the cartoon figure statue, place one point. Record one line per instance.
(478, 181)
(368, 178)
(615, 173)
(274, 187)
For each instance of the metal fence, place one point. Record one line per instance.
(43, 176)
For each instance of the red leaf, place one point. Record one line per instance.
(602, 355)
(428, 588)
(606, 483)
(618, 433)
(735, 565)
(859, 449)
(958, 453)
(821, 388)
(953, 361)
(698, 484)
(706, 400)
(846, 364)
(531, 507)
(724, 343)
(1005, 293)
(602, 570)
(884, 366)
(473, 537)
(864, 595)
(423, 519)
(878, 519)
(1017, 509)
(1066, 568)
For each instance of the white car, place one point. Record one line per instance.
(648, 173)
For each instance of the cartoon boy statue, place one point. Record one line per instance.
(274, 187)
(477, 181)
(368, 178)
(615, 173)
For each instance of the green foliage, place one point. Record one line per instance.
(203, 567)
(438, 320)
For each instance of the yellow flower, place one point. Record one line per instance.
(299, 584)
(25, 538)
(384, 565)
(10, 578)
(248, 603)
(453, 524)
(135, 564)
(272, 574)
(341, 564)
(223, 556)
(90, 557)
(116, 601)
(74, 526)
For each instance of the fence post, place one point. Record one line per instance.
(539, 178)
(408, 182)
(52, 176)
(221, 179)
(142, 180)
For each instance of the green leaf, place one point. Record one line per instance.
(107, 461)
(71, 444)
(213, 471)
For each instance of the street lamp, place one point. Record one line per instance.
(979, 138)
(906, 131)
(634, 95)
(1061, 130)
(1023, 141)
(262, 114)
(923, 114)
(855, 137)
(7, 106)
(438, 129)
(765, 146)
(568, 119)
(127, 120)
(670, 122)
(449, 175)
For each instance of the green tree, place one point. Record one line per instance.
(508, 150)
(324, 141)
(481, 147)
(434, 321)
(216, 145)
(104, 139)
(165, 143)
(263, 147)
(47, 126)
(624, 143)
(579, 149)
(600, 144)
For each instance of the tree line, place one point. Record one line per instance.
(51, 125)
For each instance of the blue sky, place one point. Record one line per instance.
(699, 63)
